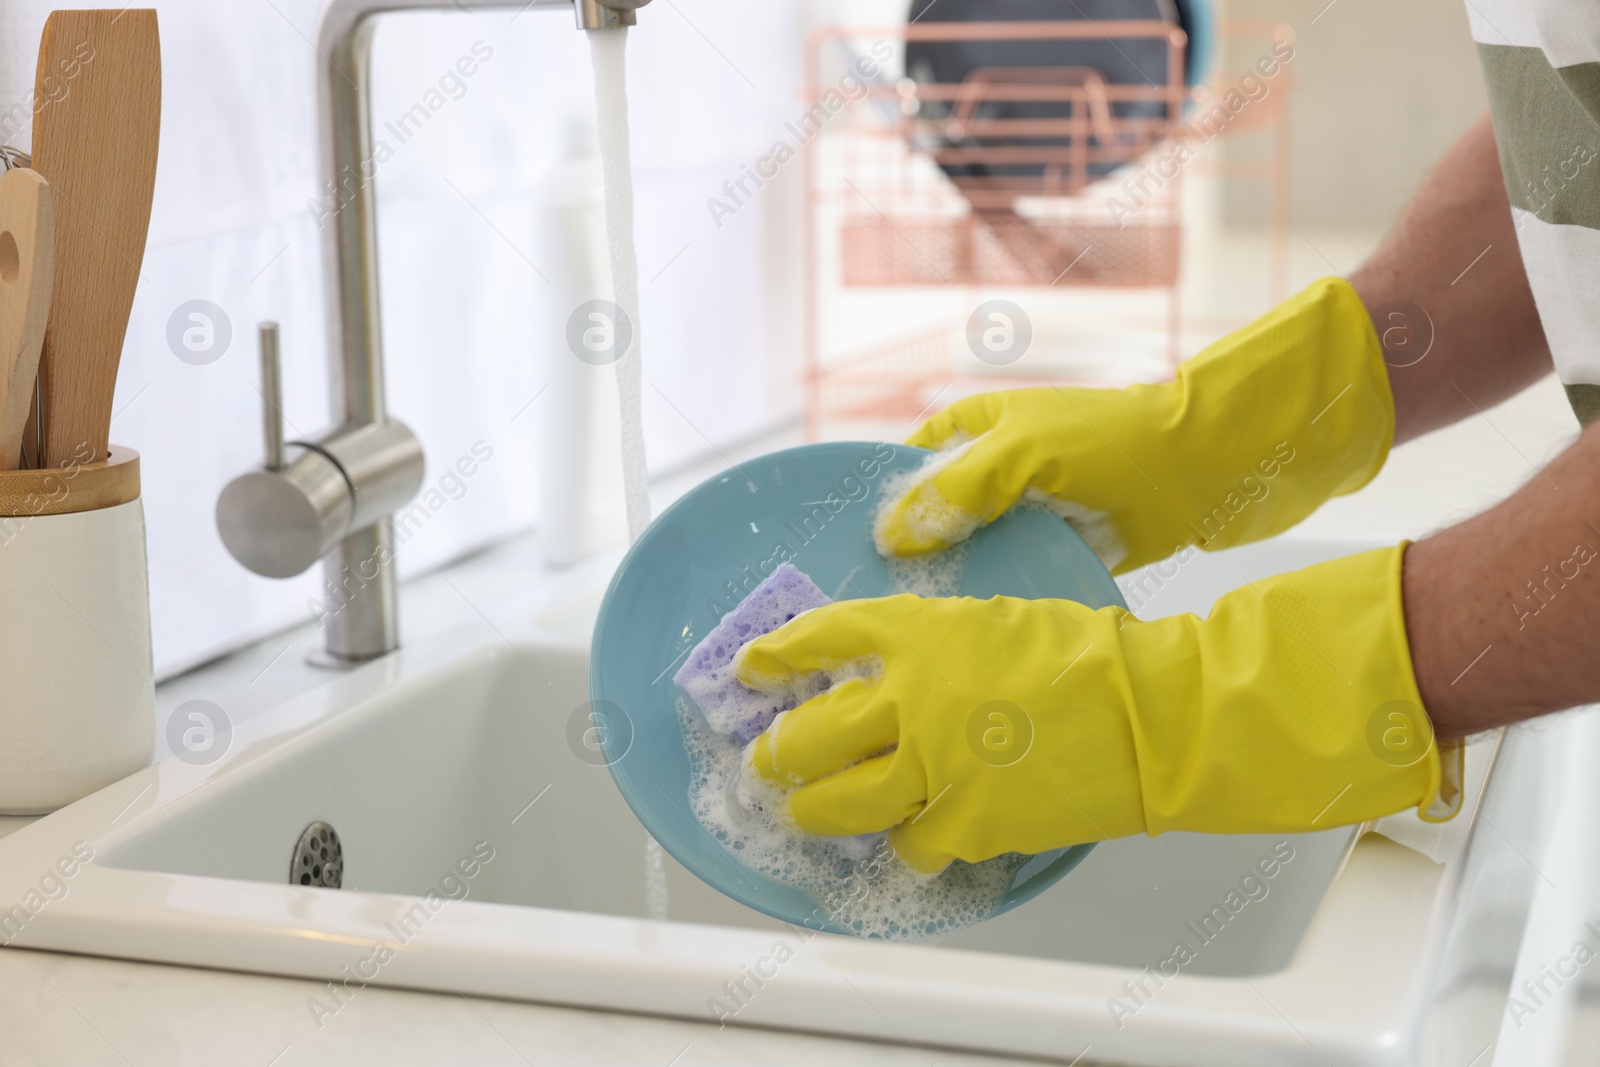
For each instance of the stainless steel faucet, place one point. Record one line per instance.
(334, 498)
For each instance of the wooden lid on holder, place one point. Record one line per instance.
(72, 487)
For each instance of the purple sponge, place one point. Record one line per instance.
(707, 677)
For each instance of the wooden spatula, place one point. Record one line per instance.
(27, 245)
(96, 145)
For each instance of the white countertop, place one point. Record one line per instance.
(86, 1012)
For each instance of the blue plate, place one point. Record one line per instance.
(813, 505)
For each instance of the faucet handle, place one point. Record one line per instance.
(272, 395)
(279, 521)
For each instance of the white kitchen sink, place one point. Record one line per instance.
(456, 755)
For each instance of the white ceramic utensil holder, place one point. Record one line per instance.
(77, 700)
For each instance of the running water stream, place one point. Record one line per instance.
(609, 51)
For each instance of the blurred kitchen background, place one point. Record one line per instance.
(478, 266)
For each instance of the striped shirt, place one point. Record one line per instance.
(1541, 60)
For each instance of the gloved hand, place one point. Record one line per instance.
(1011, 725)
(1254, 434)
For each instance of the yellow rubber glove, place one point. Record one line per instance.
(1010, 725)
(1253, 435)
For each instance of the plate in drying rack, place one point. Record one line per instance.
(813, 505)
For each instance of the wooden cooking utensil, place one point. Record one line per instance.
(27, 246)
(96, 145)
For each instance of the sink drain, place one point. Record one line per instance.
(318, 858)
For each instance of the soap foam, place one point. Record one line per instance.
(858, 883)
(936, 575)
(928, 517)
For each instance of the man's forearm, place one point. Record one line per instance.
(1503, 610)
(1453, 256)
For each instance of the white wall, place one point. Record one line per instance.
(469, 325)
(1381, 90)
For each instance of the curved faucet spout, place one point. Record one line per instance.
(349, 216)
(340, 493)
